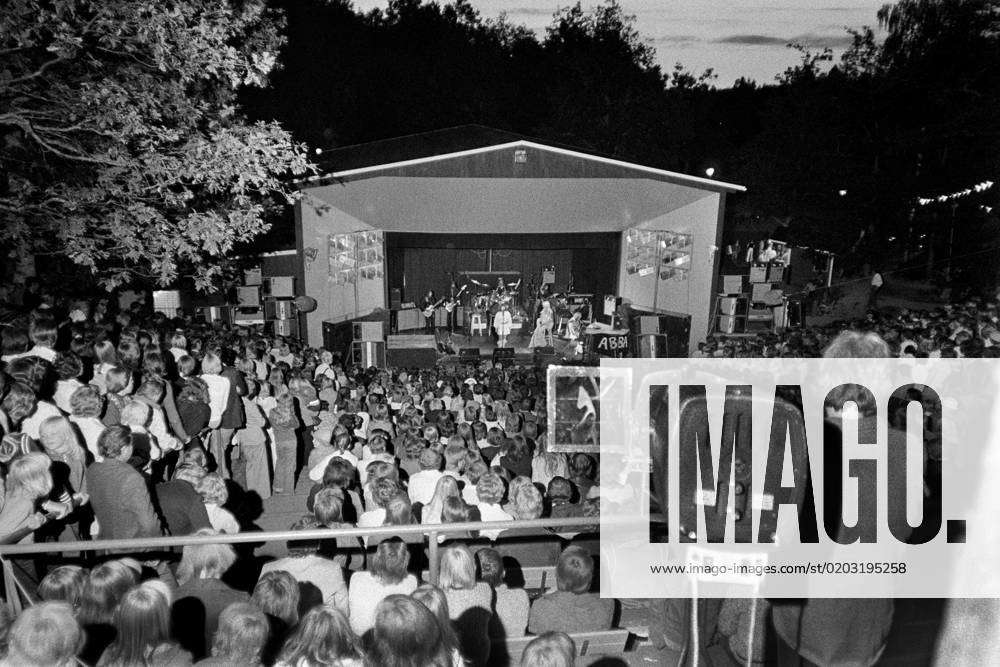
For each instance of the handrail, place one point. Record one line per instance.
(286, 535)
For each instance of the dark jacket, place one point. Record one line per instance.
(120, 500)
(234, 416)
(196, 609)
(181, 507)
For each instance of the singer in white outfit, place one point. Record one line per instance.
(502, 322)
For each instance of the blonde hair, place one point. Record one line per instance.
(57, 435)
(458, 568)
(205, 561)
(45, 634)
(30, 476)
(212, 489)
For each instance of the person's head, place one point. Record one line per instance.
(104, 588)
(857, 345)
(68, 366)
(205, 561)
(575, 570)
(552, 649)
(85, 402)
(455, 457)
(212, 489)
(434, 599)
(430, 459)
(58, 436)
(322, 637)
(277, 594)
(187, 366)
(154, 365)
(491, 568)
(390, 561)
(458, 568)
(241, 635)
(33, 371)
(151, 390)
(15, 340)
(528, 503)
(328, 506)
(581, 465)
(178, 340)
(43, 331)
(456, 510)
(44, 635)
(211, 364)
(398, 511)
(63, 584)
(118, 380)
(136, 413)
(305, 547)
(490, 488)
(28, 476)
(407, 633)
(383, 490)
(105, 353)
(142, 621)
(19, 403)
(560, 490)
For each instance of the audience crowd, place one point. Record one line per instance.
(129, 424)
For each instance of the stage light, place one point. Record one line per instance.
(710, 172)
(842, 193)
(319, 151)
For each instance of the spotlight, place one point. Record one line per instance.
(842, 193)
(319, 151)
(710, 172)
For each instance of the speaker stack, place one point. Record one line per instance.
(504, 355)
(368, 346)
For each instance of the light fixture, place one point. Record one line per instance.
(319, 151)
(710, 172)
(842, 193)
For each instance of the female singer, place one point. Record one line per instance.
(503, 322)
(542, 335)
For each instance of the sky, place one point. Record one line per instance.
(735, 37)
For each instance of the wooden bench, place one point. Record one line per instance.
(535, 578)
(608, 642)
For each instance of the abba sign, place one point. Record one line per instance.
(799, 478)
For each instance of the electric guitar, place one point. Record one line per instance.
(451, 303)
(429, 310)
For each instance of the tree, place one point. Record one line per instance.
(123, 147)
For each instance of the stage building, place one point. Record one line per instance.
(401, 217)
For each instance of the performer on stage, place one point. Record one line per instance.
(451, 306)
(428, 304)
(502, 323)
(542, 335)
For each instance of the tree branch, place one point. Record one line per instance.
(37, 73)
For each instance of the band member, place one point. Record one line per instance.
(453, 303)
(429, 302)
(502, 323)
(542, 335)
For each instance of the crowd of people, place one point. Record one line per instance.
(129, 424)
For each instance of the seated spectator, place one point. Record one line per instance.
(184, 512)
(469, 601)
(277, 595)
(306, 565)
(547, 465)
(339, 474)
(423, 484)
(447, 487)
(513, 489)
(552, 649)
(142, 621)
(64, 584)
(572, 608)
(560, 496)
(386, 575)
(530, 547)
(477, 468)
(323, 637)
(240, 639)
(104, 588)
(434, 599)
(202, 595)
(383, 490)
(405, 632)
(582, 474)
(44, 635)
(490, 490)
(347, 552)
(214, 494)
(510, 605)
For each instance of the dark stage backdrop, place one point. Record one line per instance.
(423, 261)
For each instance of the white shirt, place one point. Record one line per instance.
(222, 519)
(502, 322)
(422, 485)
(316, 474)
(877, 280)
(366, 592)
(323, 573)
(218, 396)
(64, 390)
(492, 513)
(91, 429)
(178, 352)
(42, 412)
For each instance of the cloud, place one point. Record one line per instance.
(841, 41)
(677, 39)
(752, 40)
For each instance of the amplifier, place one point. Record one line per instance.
(468, 354)
(368, 353)
(284, 310)
(775, 273)
(758, 273)
(281, 287)
(284, 327)
(653, 346)
(368, 331)
(649, 324)
(732, 284)
(248, 296)
(503, 354)
(727, 305)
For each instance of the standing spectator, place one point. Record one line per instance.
(306, 565)
(142, 621)
(285, 424)
(253, 444)
(510, 605)
(214, 495)
(306, 403)
(154, 368)
(28, 482)
(43, 333)
(118, 386)
(386, 575)
(218, 399)
(85, 405)
(875, 287)
(233, 417)
(193, 409)
(180, 503)
(68, 369)
(118, 493)
(572, 608)
(202, 595)
(105, 358)
(178, 345)
(323, 637)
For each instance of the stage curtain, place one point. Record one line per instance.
(427, 269)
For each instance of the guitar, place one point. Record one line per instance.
(429, 310)
(451, 303)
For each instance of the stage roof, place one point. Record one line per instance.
(514, 186)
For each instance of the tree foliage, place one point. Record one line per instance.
(123, 146)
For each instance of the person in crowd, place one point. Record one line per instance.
(285, 423)
(233, 416)
(436, 602)
(277, 595)
(322, 637)
(118, 386)
(193, 410)
(69, 369)
(155, 369)
(151, 393)
(145, 447)
(64, 584)
(306, 565)
(341, 445)
(550, 649)
(386, 575)
(253, 443)
(347, 552)
(178, 345)
(240, 638)
(68, 472)
(37, 374)
(510, 605)
(469, 601)
(559, 496)
(181, 505)
(582, 474)
(202, 595)
(214, 494)
(44, 635)
(490, 490)
(28, 485)
(572, 607)
(473, 473)
(405, 633)
(143, 635)
(422, 485)
(447, 487)
(104, 588)
(218, 400)
(105, 358)
(530, 547)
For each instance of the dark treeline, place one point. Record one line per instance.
(912, 115)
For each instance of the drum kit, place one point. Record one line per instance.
(490, 299)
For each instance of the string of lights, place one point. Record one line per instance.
(978, 187)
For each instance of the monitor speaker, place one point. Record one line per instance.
(503, 354)
(468, 354)
(284, 310)
(652, 346)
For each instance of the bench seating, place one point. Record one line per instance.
(608, 642)
(535, 578)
